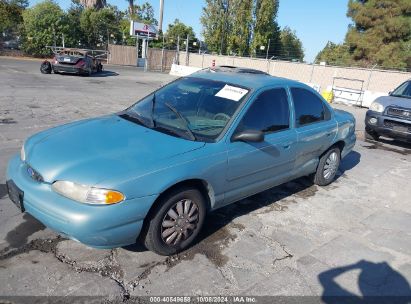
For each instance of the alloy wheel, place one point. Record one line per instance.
(180, 222)
(331, 165)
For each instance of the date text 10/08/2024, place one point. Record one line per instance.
(206, 299)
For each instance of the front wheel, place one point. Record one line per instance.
(327, 167)
(176, 221)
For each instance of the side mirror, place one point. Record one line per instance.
(389, 93)
(248, 136)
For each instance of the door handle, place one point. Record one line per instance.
(286, 147)
(329, 133)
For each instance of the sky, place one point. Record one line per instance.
(315, 21)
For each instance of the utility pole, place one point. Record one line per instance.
(268, 48)
(160, 24)
(224, 25)
(178, 49)
(187, 41)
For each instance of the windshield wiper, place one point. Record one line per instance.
(134, 117)
(187, 123)
(153, 104)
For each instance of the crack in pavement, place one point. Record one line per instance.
(111, 270)
(287, 256)
(43, 245)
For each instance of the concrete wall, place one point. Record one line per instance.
(374, 82)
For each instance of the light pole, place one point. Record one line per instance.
(160, 24)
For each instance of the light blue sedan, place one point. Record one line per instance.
(153, 171)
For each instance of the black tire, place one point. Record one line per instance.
(371, 135)
(154, 234)
(45, 67)
(323, 177)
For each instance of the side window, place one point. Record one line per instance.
(268, 113)
(308, 107)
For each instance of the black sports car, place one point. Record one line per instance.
(75, 61)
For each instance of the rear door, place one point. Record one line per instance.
(253, 167)
(315, 128)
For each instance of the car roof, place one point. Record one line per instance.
(249, 78)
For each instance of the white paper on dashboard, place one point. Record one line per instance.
(230, 92)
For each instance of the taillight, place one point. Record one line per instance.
(81, 63)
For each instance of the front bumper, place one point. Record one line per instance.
(96, 226)
(389, 126)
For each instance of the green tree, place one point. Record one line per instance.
(334, 54)
(380, 35)
(216, 24)
(101, 26)
(266, 27)
(143, 13)
(291, 45)
(11, 18)
(73, 33)
(179, 29)
(381, 32)
(240, 31)
(43, 25)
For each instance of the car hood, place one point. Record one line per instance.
(90, 151)
(401, 102)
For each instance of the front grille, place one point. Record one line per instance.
(34, 174)
(396, 125)
(397, 112)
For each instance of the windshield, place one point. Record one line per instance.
(403, 90)
(194, 108)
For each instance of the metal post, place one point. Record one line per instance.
(162, 56)
(369, 77)
(187, 50)
(137, 50)
(146, 56)
(268, 47)
(178, 49)
(312, 73)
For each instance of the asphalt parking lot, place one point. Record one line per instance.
(350, 238)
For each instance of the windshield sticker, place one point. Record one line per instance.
(230, 92)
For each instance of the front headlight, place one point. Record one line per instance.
(22, 153)
(86, 194)
(377, 107)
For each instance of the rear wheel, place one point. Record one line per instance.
(176, 221)
(45, 67)
(327, 167)
(371, 135)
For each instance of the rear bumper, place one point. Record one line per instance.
(96, 226)
(72, 69)
(389, 126)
